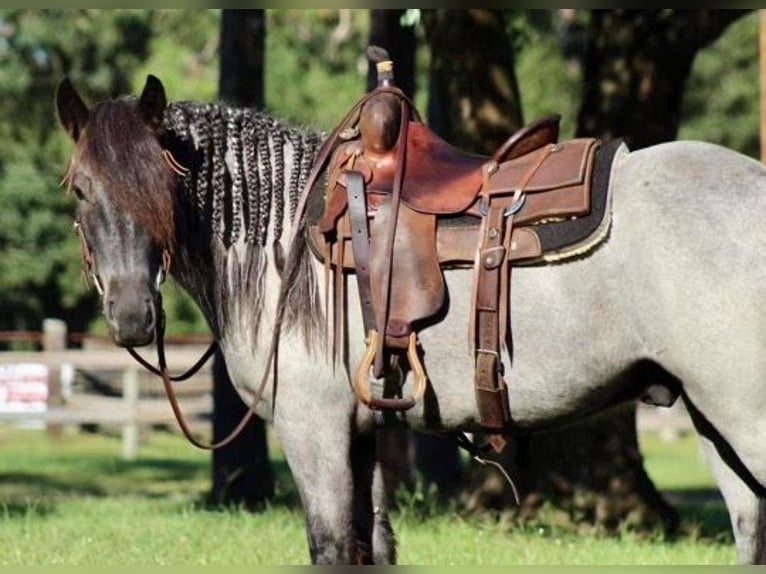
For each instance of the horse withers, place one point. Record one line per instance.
(676, 283)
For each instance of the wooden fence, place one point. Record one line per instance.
(134, 399)
(129, 397)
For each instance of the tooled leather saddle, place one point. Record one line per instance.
(399, 204)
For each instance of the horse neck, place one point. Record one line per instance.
(246, 170)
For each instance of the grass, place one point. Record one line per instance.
(73, 501)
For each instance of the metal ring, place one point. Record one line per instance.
(516, 206)
(512, 209)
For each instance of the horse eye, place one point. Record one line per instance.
(78, 193)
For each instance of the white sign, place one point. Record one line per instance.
(23, 388)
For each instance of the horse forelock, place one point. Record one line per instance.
(124, 154)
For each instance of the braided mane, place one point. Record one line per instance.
(240, 179)
(244, 167)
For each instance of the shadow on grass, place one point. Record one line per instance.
(703, 513)
(29, 493)
(24, 494)
(285, 495)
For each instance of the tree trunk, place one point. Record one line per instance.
(588, 476)
(242, 52)
(400, 42)
(242, 472)
(604, 482)
(636, 68)
(473, 94)
(591, 473)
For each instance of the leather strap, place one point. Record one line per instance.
(167, 383)
(360, 245)
(401, 156)
(491, 301)
(491, 391)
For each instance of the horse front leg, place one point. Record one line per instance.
(317, 446)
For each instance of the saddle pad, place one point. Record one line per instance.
(542, 242)
(574, 237)
(457, 237)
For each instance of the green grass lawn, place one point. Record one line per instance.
(73, 501)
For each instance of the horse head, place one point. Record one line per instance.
(125, 203)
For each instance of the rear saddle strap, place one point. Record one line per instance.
(492, 294)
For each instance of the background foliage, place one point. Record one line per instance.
(315, 69)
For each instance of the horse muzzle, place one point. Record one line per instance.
(131, 314)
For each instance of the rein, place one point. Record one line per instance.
(167, 383)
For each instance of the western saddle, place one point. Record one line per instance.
(398, 204)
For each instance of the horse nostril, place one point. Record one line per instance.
(149, 318)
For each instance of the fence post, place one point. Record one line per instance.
(130, 430)
(54, 339)
(762, 58)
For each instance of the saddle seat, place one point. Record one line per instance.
(438, 178)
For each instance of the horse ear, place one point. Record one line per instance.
(72, 111)
(153, 101)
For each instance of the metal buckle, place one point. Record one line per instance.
(499, 367)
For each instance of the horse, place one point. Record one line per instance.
(205, 192)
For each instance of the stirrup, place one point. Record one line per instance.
(362, 385)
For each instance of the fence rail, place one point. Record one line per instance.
(135, 398)
(103, 358)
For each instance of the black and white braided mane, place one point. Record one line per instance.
(242, 177)
(244, 166)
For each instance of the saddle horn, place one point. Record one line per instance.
(383, 65)
(376, 54)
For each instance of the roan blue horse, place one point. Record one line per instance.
(205, 191)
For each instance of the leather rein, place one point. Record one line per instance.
(162, 370)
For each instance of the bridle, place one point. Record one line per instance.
(88, 261)
(162, 371)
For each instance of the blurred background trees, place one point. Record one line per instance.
(314, 69)
(689, 74)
